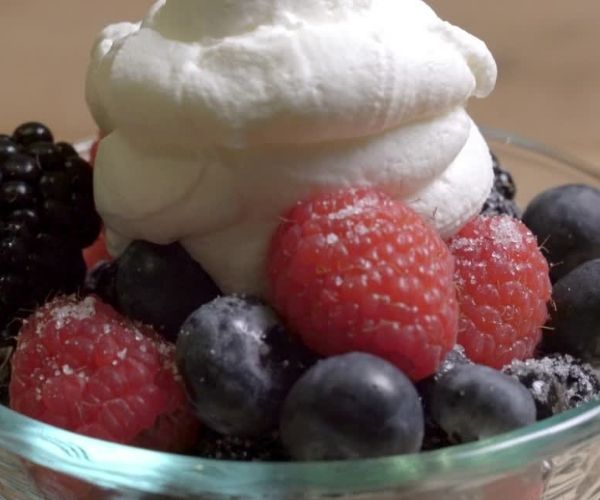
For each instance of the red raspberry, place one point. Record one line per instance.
(96, 252)
(503, 288)
(94, 148)
(81, 366)
(354, 270)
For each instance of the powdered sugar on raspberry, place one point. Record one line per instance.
(505, 233)
(81, 366)
(354, 270)
(503, 284)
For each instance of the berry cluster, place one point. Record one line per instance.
(47, 216)
(376, 337)
(501, 199)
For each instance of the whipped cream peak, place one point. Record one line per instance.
(220, 114)
(239, 73)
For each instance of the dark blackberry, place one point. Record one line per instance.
(503, 180)
(8, 147)
(47, 216)
(31, 132)
(501, 198)
(5, 355)
(267, 448)
(557, 383)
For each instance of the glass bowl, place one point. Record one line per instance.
(558, 458)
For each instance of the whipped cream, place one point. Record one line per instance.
(219, 115)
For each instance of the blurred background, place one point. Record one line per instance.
(547, 52)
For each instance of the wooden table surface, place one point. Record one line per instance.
(549, 86)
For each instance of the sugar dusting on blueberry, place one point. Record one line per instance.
(238, 364)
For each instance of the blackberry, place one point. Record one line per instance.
(5, 355)
(47, 216)
(501, 198)
(557, 382)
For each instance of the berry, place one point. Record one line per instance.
(575, 317)
(354, 270)
(435, 437)
(557, 383)
(100, 280)
(503, 180)
(47, 216)
(32, 132)
(238, 364)
(503, 288)
(161, 285)
(66, 150)
(94, 151)
(267, 448)
(566, 221)
(97, 252)
(80, 366)
(501, 199)
(5, 355)
(472, 402)
(352, 406)
(7, 147)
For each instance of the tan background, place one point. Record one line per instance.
(549, 85)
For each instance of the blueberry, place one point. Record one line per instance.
(352, 406)
(31, 132)
(472, 402)
(100, 280)
(238, 364)
(575, 316)
(566, 221)
(557, 383)
(161, 285)
(435, 437)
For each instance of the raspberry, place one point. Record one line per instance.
(503, 288)
(80, 366)
(94, 151)
(97, 252)
(354, 270)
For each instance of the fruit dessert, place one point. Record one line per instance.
(311, 253)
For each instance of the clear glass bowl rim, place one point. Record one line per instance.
(126, 468)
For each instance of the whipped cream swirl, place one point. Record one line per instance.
(219, 115)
